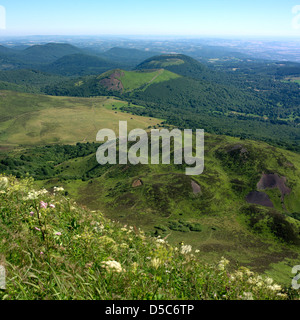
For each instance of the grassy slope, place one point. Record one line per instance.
(132, 80)
(36, 119)
(140, 80)
(166, 195)
(166, 63)
(60, 251)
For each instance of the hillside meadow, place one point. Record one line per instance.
(28, 119)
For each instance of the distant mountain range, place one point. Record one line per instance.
(62, 58)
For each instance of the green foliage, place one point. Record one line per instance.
(296, 215)
(79, 64)
(28, 80)
(184, 226)
(264, 220)
(216, 101)
(40, 162)
(47, 53)
(56, 250)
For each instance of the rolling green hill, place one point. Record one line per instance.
(184, 101)
(129, 81)
(79, 64)
(48, 53)
(114, 82)
(251, 102)
(180, 64)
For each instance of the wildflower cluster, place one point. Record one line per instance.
(33, 194)
(112, 266)
(55, 249)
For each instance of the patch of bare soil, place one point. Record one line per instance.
(272, 181)
(112, 82)
(196, 188)
(260, 198)
(137, 183)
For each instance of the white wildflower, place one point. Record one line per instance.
(155, 262)
(251, 281)
(58, 189)
(275, 287)
(268, 281)
(239, 274)
(112, 266)
(247, 296)
(33, 194)
(223, 263)
(41, 192)
(3, 182)
(186, 249)
(248, 272)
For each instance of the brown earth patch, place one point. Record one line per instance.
(112, 83)
(272, 181)
(137, 183)
(196, 188)
(260, 198)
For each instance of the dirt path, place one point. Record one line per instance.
(159, 73)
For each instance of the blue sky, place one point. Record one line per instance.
(155, 17)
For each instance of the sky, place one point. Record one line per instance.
(156, 17)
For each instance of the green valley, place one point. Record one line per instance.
(209, 211)
(244, 207)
